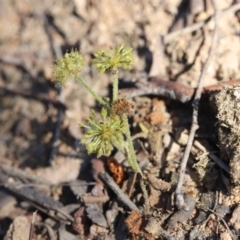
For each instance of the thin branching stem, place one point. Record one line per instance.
(178, 192)
(131, 153)
(95, 95)
(115, 87)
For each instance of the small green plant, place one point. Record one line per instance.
(111, 129)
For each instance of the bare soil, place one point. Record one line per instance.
(44, 167)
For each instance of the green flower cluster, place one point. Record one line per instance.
(111, 129)
(120, 57)
(68, 66)
(105, 134)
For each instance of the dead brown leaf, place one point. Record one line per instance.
(135, 223)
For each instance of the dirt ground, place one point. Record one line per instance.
(43, 165)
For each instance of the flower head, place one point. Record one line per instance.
(102, 135)
(120, 57)
(68, 66)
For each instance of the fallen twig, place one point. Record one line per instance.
(215, 158)
(40, 201)
(160, 87)
(170, 36)
(133, 181)
(22, 175)
(220, 162)
(122, 196)
(223, 221)
(95, 199)
(178, 192)
(49, 229)
(175, 91)
(37, 199)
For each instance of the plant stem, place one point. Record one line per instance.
(95, 95)
(115, 87)
(131, 154)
